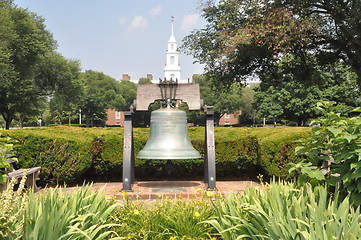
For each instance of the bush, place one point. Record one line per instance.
(336, 139)
(71, 154)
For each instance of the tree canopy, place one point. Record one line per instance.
(286, 98)
(246, 37)
(221, 101)
(99, 92)
(27, 49)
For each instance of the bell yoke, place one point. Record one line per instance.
(168, 137)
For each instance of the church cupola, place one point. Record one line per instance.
(172, 67)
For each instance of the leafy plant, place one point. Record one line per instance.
(6, 148)
(165, 219)
(83, 214)
(11, 211)
(337, 140)
(285, 211)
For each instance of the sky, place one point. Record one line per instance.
(120, 36)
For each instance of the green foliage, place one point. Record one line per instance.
(82, 214)
(62, 160)
(99, 92)
(128, 91)
(285, 211)
(222, 101)
(248, 114)
(71, 154)
(277, 149)
(337, 139)
(165, 219)
(281, 95)
(144, 80)
(12, 208)
(6, 152)
(24, 45)
(246, 37)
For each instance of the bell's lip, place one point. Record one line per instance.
(154, 154)
(169, 158)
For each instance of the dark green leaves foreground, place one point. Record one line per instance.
(285, 211)
(276, 211)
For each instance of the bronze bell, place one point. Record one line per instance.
(168, 137)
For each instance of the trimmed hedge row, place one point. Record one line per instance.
(71, 154)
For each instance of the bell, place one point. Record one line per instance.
(168, 137)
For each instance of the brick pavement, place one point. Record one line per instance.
(149, 190)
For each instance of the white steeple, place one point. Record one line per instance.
(172, 67)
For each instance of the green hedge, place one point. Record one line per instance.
(71, 154)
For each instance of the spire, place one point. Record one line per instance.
(172, 67)
(172, 20)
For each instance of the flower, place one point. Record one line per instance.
(136, 212)
(124, 193)
(209, 193)
(197, 214)
(198, 190)
(171, 237)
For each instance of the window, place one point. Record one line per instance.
(117, 115)
(226, 115)
(117, 123)
(172, 76)
(172, 46)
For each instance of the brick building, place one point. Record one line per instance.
(115, 118)
(229, 119)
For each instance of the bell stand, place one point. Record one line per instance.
(148, 93)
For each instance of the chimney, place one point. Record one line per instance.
(150, 76)
(126, 77)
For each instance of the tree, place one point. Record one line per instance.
(221, 101)
(24, 42)
(128, 91)
(281, 96)
(248, 37)
(99, 92)
(144, 81)
(248, 114)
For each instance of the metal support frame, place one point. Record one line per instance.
(148, 93)
(209, 157)
(128, 153)
(210, 153)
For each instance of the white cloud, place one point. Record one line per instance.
(189, 21)
(155, 11)
(122, 20)
(138, 22)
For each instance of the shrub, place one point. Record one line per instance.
(336, 139)
(71, 154)
(284, 211)
(61, 160)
